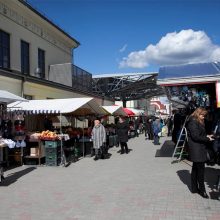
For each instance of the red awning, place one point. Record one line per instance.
(128, 112)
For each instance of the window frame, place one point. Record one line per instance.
(41, 62)
(25, 57)
(4, 50)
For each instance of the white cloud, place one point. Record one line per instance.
(123, 48)
(186, 46)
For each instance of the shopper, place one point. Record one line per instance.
(122, 131)
(198, 142)
(177, 125)
(149, 129)
(156, 130)
(98, 137)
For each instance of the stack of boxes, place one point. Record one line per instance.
(53, 153)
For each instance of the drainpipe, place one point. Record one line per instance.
(22, 86)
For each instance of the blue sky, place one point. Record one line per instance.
(123, 36)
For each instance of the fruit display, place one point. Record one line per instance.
(48, 135)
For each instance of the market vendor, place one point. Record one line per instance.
(19, 125)
(48, 124)
(6, 127)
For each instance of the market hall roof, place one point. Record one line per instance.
(189, 73)
(127, 86)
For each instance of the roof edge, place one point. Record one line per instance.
(28, 5)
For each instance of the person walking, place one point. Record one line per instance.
(198, 142)
(149, 129)
(98, 138)
(169, 124)
(156, 130)
(122, 131)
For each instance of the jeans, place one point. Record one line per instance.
(156, 139)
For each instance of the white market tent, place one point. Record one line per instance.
(76, 106)
(7, 97)
(115, 110)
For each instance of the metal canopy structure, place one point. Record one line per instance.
(127, 86)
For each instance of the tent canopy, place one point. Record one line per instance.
(8, 97)
(77, 106)
(129, 112)
(137, 112)
(115, 110)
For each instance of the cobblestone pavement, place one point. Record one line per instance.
(141, 185)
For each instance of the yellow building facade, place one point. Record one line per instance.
(37, 55)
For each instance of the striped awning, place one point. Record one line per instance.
(77, 106)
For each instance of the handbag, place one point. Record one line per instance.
(216, 145)
(210, 157)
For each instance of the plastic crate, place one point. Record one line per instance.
(51, 163)
(52, 144)
(50, 151)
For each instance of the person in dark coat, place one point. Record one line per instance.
(149, 130)
(177, 125)
(198, 141)
(122, 131)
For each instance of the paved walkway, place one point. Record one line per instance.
(134, 186)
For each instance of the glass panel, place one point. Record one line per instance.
(4, 50)
(25, 62)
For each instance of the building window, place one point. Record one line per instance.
(4, 50)
(25, 59)
(41, 62)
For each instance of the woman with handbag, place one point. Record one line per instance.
(198, 142)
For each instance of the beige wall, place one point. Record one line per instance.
(22, 24)
(37, 91)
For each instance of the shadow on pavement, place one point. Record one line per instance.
(212, 178)
(13, 177)
(185, 177)
(166, 149)
(129, 150)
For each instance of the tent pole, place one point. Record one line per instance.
(61, 141)
(83, 140)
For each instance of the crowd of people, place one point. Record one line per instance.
(203, 135)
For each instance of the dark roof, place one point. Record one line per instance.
(131, 86)
(189, 70)
(25, 3)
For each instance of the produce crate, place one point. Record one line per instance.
(52, 144)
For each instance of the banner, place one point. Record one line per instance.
(218, 94)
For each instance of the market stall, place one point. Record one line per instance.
(191, 85)
(6, 126)
(79, 107)
(114, 110)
